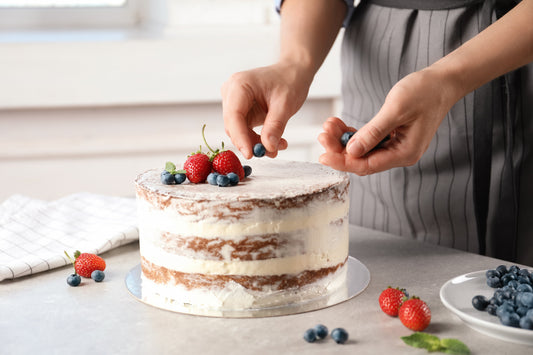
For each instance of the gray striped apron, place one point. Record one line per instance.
(472, 188)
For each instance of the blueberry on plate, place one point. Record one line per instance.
(167, 178)
(310, 335)
(74, 280)
(480, 302)
(321, 331)
(233, 179)
(339, 335)
(259, 150)
(510, 319)
(526, 323)
(494, 282)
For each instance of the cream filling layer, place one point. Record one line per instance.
(257, 222)
(331, 256)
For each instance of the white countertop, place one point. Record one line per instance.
(41, 314)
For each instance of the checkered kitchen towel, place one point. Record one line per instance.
(34, 233)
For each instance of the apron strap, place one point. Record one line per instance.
(503, 92)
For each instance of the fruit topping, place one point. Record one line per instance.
(197, 167)
(259, 150)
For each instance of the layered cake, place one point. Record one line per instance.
(278, 237)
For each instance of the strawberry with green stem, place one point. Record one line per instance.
(224, 161)
(86, 263)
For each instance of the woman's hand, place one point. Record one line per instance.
(411, 114)
(266, 96)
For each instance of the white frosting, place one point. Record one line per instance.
(260, 221)
(235, 297)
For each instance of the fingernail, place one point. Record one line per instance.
(273, 141)
(354, 147)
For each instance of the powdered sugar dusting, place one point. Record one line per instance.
(270, 179)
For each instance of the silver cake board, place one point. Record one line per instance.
(357, 280)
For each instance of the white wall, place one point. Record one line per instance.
(89, 110)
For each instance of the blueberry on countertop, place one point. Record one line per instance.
(310, 335)
(321, 331)
(339, 335)
(98, 275)
(74, 280)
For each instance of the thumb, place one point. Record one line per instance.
(370, 135)
(273, 128)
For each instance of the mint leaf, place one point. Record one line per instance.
(432, 343)
(454, 346)
(423, 341)
(170, 167)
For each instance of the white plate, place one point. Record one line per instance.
(357, 280)
(457, 294)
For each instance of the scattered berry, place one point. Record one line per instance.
(310, 335)
(321, 331)
(247, 170)
(86, 263)
(339, 335)
(390, 300)
(346, 137)
(259, 150)
(74, 280)
(222, 180)
(233, 179)
(415, 314)
(98, 275)
(212, 178)
(197, 166)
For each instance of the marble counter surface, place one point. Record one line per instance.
(42, 314)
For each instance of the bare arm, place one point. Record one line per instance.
(269, 96)
(417, 104)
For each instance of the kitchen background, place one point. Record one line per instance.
(90, 97)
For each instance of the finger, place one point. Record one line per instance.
(336, 126)
(273, 128)
(235, 108)
(370, 135)
(330, 143)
